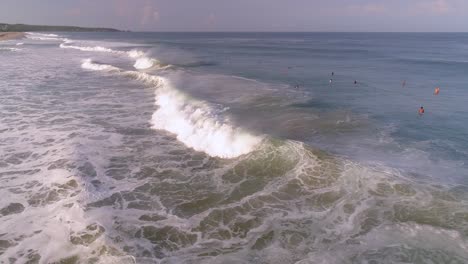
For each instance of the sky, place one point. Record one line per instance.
(244, 15)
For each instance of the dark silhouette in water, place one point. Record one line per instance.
(421, 111)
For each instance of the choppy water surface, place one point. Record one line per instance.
(233, 148)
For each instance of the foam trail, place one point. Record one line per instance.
(195, 123)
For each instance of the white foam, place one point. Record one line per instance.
(135, 54)
(10, 49)
(197, 126)
(96, 48)
(19, 43)
(143, 77)
(88, 64)
(40, 36)
(143, 63)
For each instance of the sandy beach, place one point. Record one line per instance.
(11, 35)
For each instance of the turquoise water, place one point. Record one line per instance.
(234, 148)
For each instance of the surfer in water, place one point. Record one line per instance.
(421, 111)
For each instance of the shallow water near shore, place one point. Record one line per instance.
(233, 148)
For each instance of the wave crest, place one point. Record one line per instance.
(41, 36)
(198, 126)
(10, 49)
(195, 123)
(143, 63)
(88, 64)
(97, 48)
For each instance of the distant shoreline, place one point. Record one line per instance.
(11, 35)
(42, 28)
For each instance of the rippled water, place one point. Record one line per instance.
(233, 148)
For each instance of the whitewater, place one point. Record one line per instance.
(229, 148)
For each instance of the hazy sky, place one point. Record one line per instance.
(244, 15)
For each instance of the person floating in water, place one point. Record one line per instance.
(421, 111)
(333, 73)
(355, 82)
(331, 80)
(403, 84)
(436, 91)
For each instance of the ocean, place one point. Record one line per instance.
(234, 148)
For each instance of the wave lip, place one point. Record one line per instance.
(197, 125)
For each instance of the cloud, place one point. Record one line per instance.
(150, 14)
(211, 19)
(431, 7)
(122, 7)
(371, 8)
(76, 12)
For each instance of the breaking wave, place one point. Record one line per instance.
(196, 123)
(89, 65)
(198, 126)
(41, 36)
(97, 48)
(142, 62)
(10, 49)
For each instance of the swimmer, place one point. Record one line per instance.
(436, 91)
(421, 111)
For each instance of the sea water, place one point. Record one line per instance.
(234, 148)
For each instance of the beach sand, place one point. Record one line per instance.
(11, 35)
